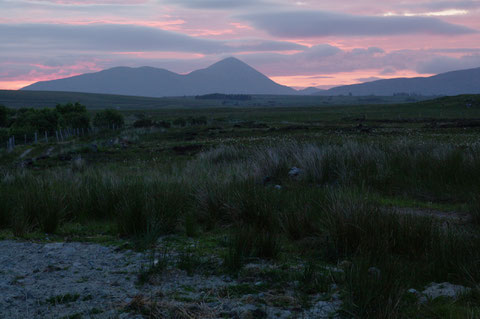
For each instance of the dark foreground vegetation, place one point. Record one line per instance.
(390, 202)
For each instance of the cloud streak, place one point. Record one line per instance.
(117, 37)
(302, 24)
(216, 4)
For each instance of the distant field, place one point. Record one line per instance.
(425, 111)
(99, 101)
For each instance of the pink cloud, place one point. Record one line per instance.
(95, 2)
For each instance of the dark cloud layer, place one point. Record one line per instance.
(441, 64)
(314, 61)
(111, 37)
(442, 5)
(215, 4)
(301, 24)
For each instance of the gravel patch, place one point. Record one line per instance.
(80, 280)
(57, 280)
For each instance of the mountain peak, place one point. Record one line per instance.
(230, 62)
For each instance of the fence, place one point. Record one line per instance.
(58, 136)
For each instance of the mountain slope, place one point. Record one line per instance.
(229, 76)
(450, 83)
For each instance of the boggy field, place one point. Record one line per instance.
(298, 212)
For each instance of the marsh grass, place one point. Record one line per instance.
(325, 212)
(158, 261)
(370, 294)
(474, 209)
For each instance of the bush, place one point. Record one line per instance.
(36, 120)
(77, 120)
(180, 122)
(3, 116)
(201, 120)
(4, 135)
(163, 124)
(74, 115)
(143, 123)
(108, 118)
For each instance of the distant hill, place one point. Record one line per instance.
(450, 83)
(229, 76)
(310, 91)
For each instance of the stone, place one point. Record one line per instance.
(413, 291)
(279, 187)
(445, 289)
(295, 171)
(325, 309)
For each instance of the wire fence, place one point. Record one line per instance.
(57, 136)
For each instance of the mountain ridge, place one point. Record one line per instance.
(228, 76)
(232, 76)
(449, 83)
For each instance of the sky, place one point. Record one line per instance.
(300, 43)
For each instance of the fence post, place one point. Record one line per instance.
(56, 134)
(25, 139)
(61, 135)
(11, 144)
(46, 137)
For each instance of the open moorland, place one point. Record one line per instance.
(298, 211)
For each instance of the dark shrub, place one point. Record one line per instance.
(143, 123)
(108, 118)
(180, 122)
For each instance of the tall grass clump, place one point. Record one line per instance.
(474, 209)
(96, 193)
(131, 210)
(389, 253)
(5, 207)
(253, 214)
(356, 225)
(420, 170)
(374, 292)
(151, 208)
(40, 205)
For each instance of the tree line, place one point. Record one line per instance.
(23, 121)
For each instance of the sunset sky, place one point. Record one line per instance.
(297, 43)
